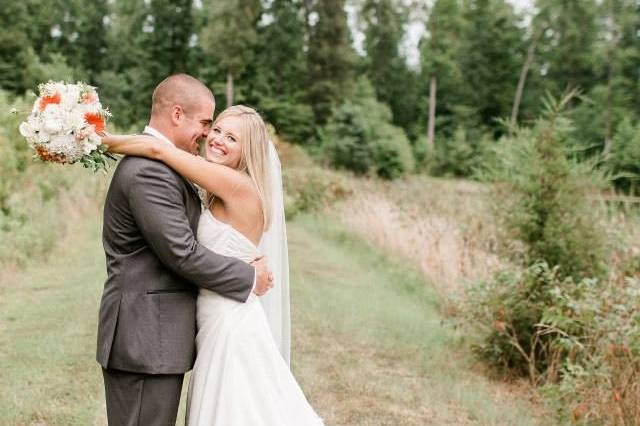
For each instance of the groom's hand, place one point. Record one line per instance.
(264, 277)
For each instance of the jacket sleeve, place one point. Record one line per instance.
(156, 200)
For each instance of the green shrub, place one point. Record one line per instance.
(580, 339)
(312, 188)
(14, 151)
(360, 137)
(511, 306)
(554, 311)
(458, 156)
(294, 119)
(600, 324)
(542, 199)
(126, 93)
(56, 68)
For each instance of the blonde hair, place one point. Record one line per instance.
(254, 157)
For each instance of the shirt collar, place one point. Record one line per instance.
(156, 133)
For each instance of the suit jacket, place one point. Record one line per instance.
(147, 320)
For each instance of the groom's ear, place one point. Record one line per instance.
(177, 115)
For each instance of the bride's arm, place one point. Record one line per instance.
(217, 179)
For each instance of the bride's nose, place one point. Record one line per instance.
(216, 138)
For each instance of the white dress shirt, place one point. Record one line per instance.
(157, 134)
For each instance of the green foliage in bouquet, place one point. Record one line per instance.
(99, 160)
(360, 137)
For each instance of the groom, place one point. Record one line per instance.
(147, 324)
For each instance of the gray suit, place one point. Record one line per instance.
(147, 325)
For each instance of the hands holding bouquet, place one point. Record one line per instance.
(65, 125)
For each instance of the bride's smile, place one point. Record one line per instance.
(223, 143)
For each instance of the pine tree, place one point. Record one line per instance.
(276, 78)
(80, 34)
(568, 45)
(15, 47)
(440, 53)
(491, 56)
(229, 37)
(613, 87)
(169, 28)
(622, 46)
(90, 46)
(394, 82)
(126, 81)
(282, 47)
(331, 58)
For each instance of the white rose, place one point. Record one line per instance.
(73, 120)
(95, 140)
(51, 111)
(52, 126)
(71, 97)
(58, 86)
(58, 143)
(43, 137)
(26, 130)
(87, 148)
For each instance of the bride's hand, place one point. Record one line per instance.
(115, 143)
(264, 277)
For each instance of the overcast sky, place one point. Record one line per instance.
(416, 29)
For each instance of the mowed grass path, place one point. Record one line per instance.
(369, 347)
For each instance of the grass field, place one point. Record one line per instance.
(369, 346)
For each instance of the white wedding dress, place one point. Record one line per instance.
(240, 377)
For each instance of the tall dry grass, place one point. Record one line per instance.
(441, 225)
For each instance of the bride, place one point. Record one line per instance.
(241, 375)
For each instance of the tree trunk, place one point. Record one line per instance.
(523, 79)
(229, 90)
(611, 71)
(432, 112)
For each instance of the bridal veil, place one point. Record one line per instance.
(274, 245)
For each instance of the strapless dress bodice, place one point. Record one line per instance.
(224, 239)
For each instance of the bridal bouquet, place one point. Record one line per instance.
(64, 124)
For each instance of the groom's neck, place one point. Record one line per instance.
(163, 128)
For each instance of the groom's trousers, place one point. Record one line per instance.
(135, 399)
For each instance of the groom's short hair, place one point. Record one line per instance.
(179, 89)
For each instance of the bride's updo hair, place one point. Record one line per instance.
(254, 159)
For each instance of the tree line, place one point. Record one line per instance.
(484, 69)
